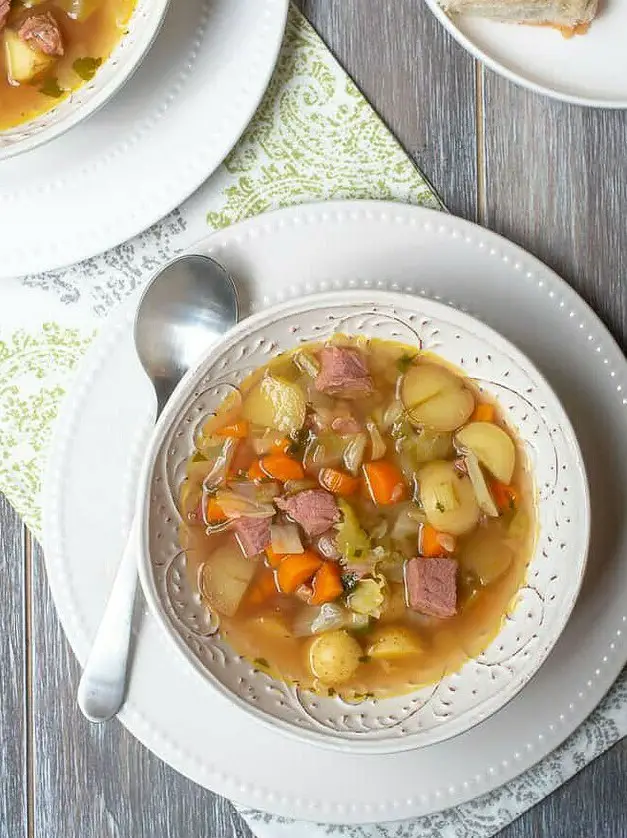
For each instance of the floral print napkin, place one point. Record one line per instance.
(313, 138)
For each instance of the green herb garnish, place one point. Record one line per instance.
(439, 506)
(331, 692)
(405, 362)
(364, 659)
(86, 67)
(50, 87)
(199, 458)
(349, 582)
(298, 443)
(262, 662)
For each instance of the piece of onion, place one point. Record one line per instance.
(285, 539)
(224, 417)
(293, 486)
(235, 505)
(316, 619)
(218, 471)
(264, 444)
(393, 413)
(354, 453)
(376, 440)
(482, 493)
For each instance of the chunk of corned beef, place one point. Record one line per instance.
(42, 32)
(343, 372)
(314, 509)
(252, 534)
(5, 8)
(431, 586)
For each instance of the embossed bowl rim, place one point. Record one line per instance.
(143, 26)
(322, 301)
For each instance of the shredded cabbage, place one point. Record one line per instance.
(352, 541)
(369, 596)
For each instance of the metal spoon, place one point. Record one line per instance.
(184, 309)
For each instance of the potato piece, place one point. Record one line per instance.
(78, 9)
(275, 403)
(491, 446)
(395, 606)
(448, 498)
(225, 577)
(334, 657)
(271, 625)
(23, 62)
(487, 554)
(436, 398)
(393, 643)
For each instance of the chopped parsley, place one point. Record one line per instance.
(331, 692)
(405, 362)
(199, 458)
(364, 659)
(440, 507)
(262, 662)
(298, 443)
(50, 87)
(358, 553)
(86, 67)
(349, 582)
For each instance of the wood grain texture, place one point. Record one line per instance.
(557, 184)
(13, 709)
(417, 78)
(97, 781)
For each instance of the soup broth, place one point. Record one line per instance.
(360, 516)
(32, 81)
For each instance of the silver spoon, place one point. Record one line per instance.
(184, 309)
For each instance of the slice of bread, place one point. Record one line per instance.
(571, 16)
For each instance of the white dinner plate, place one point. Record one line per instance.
(96, 457)
(148, 149)
(588, 69)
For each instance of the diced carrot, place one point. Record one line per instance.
(274, 558)
(327, 584)
(238, 430)
(505, 497)
(483, 413)
(385, 482)
(338, 482)
(215, 515)
(429, 544)
(281, 467)
(255, 472)
(280, 446)
(262, 588)
(297, 569)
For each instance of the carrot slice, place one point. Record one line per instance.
(274, 558)
(385, 482)
(505, 497)
(255, 472)
(429, 543)
(338, 482)
(483, 413)
(281, 467)
(215, 515)
(297, 569)
(238, 430)
(281, 446)
(263, 588)
(327, 584)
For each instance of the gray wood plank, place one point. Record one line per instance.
(417, 78)
(13, 705)
(95, 781)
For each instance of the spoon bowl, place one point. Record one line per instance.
(185, 308)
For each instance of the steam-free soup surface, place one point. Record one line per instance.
(51, 48)
(360, 517)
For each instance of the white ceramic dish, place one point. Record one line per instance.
(151, 146)
(485, 683)
(286, 255)
(587, 69)
(126, 57)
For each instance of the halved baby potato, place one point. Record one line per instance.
(334, 656)
(491, 446)
(436, 398)
(448, 498)
(393, 643)
(23, 62)
(275, 403)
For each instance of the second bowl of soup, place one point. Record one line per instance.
(366, 522)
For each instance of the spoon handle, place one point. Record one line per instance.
(103, 683)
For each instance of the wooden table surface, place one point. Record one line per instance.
(551, 177)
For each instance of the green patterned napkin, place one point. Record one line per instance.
(313, 138)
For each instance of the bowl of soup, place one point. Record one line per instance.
(365, 520)
(60, 60)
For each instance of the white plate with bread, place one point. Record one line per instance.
(573, 50)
